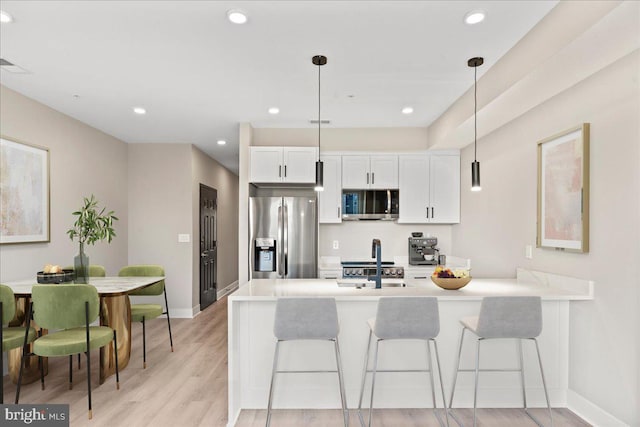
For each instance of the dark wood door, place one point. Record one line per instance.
(208, 246)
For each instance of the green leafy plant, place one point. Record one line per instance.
(92, 226)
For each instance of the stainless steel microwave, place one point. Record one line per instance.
(369, 205)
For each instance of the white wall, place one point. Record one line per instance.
(83, 161)
(500, 220)
(160, 204)
(355, 237)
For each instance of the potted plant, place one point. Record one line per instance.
(90, 227)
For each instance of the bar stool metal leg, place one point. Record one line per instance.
(521, 366)
(364, 376)
(475, 388)
(373, 380)
(273, 378)
(444, 400)
(430, 366)
(343, 396)
(544, 384)
(455, 378)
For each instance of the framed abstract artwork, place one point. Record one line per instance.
(563, 190)
(24, 192)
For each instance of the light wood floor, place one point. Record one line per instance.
(188, 388)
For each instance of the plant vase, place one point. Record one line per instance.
(81, 266)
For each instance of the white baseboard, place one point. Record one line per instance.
(185, 313)
(232, 422)
(591, 412)
(228, 289)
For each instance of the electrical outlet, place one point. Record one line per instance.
(184, 238)
(528, 252)
(336, 244)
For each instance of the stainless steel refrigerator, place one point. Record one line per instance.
(284, 237)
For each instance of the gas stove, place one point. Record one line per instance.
(365, 269)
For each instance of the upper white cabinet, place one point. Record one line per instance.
(330, 200)
(369, 172)
(283, 164)
(429, 188)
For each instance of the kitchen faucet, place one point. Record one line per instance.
(376, 252)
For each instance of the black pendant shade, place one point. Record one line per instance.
(475, 166)
(319, 176)
(319, 60)
(475, 176)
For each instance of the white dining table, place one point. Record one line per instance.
(115, 312)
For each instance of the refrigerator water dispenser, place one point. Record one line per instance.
(265, 254)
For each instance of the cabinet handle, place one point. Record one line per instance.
(367, 177)
(280, 171)
(338, 211)
(285, 171)
(373, 177)
(432, 216)
(427, 212)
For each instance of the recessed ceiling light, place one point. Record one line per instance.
(5, 18)
(139, 110)
(474, 17)
(274, 110)
(237, 16)
(407, 110)
(221, 142)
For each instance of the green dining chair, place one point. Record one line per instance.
(69, 309)
(143, 312)
(11, 337)
(95, 270)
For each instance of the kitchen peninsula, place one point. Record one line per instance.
(251, 345)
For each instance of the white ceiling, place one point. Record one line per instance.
(198, 75)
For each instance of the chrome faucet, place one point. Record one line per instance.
(376, 252)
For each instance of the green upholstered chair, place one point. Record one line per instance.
(69, 309)
(11, 337)
(143, 312)
(95, 270)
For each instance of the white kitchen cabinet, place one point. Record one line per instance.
(283, 164)
(429, 188)
(330, 200)
(369, 172)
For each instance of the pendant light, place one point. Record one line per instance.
(475, 166)
(319, 60)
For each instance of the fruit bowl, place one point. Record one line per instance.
(47, 278)
(451, 283)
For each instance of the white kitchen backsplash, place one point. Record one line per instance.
(354, 238)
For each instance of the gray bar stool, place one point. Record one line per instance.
(404, 318)
(307, 319)
(503, 317)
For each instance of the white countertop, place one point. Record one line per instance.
(527, 283)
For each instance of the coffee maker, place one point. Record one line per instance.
(422, 250)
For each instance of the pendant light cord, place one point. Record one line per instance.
(319, 66)
(475, 113)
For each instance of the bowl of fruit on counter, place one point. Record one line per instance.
(450, 279)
